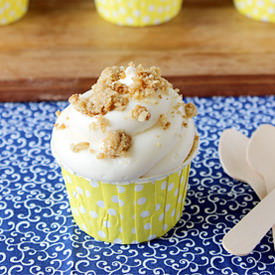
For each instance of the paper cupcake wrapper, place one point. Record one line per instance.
(263, 10)
(138, 12)
(127, 213)
(12, 10)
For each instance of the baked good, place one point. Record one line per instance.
(138, 13)
(125, 148)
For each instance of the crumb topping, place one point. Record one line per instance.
(140, 113)
(115, 144)
(58, 113)
(99, 103)
(158, 144)
(164, 123)
(60, 126)
(102, 123)
(190, 110)
(110, 94)
(184, 124)
(80, 146)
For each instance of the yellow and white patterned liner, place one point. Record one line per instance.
(12, 10)
(138, 13)
(127, 213)
(263, 10)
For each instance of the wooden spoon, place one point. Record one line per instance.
(233, 156)
(247, 233)
(261, 156)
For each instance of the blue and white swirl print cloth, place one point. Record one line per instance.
(39, 236)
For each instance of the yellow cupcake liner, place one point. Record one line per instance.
(127, 213)
(12, 10)
(138, 12)
(263, 10)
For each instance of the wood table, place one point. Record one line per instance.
(61, 46)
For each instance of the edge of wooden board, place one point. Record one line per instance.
(52, 89)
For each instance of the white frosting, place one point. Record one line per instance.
(154, 151)
(130, 73)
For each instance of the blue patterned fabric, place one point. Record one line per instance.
(39, 236)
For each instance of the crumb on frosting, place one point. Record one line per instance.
(60, 126)
(102, 123)
(80, 146)
(190, 110)
(184, 124)
(58, 113)
(158, 144)
(140, 113)
(110, 94)
(164, 123)
(115, 144)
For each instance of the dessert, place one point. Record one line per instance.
(12, 10)
(258, 10)
(124, 147)
(138, 13)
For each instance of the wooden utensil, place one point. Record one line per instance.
(247, 233)
(261, 156)
(233, 156)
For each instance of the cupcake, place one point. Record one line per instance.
(125, 148)
(263, 10)
(138, 13)
(12, 10)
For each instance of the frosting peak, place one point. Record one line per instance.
(131, 124)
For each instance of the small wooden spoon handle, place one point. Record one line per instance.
(247, 233)
(269, 182)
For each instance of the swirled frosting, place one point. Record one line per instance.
(131, 124)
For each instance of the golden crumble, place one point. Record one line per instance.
(102, 123)
(140, 113)
(110, 94)
(184, 124)
(99, 103)
(190, 110)
(115, 144)
(59, 126)
(100, 156)
(164, 123)
(80, 146)
(58, 113)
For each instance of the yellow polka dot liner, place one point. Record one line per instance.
(138, 13)
(12, 10)
(127, 213)
(263, 10)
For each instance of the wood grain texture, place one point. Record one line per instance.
(61, 46)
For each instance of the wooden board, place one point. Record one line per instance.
(61, 46)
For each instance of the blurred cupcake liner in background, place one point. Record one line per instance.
(138, 13)
(12, 10)
(263, 10)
